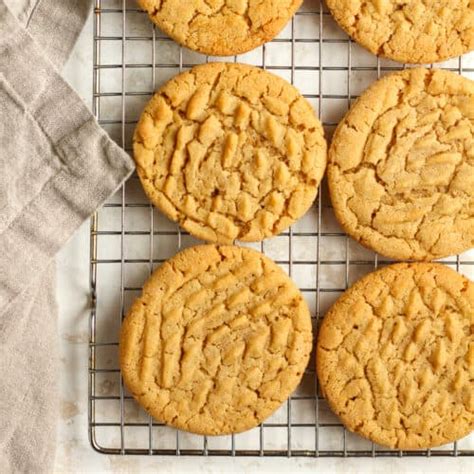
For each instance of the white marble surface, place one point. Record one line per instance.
(74, 453)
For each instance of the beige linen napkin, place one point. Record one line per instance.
(56, 167)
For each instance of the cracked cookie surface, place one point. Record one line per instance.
(395, 356)
(230, 152)
(219, 338)
(408, 31)
(401, 166)
(221, 27)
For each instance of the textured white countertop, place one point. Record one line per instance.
(74, 453)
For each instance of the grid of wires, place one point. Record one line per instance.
(331, 71)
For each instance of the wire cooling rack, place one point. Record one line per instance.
(129, 238)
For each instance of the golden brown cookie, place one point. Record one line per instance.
(401, 166)
(219, 338)
(408, 31)
(395, 356)
(230, 152)
(221, 27)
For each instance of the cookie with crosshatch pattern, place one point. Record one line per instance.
(401, 166)
(219, 338)
(395, 356)
(221, 27)
(230, 151)
(408, 31)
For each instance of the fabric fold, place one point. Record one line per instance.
(85, 165)
(53, 24)
(58, 38)
(28, 392)
(57, 166)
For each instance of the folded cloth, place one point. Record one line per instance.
(28, 395)
(56, 167)
(54, 25)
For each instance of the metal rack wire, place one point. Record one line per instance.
(304, 426)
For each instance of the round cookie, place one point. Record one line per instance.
(221, 27)
(401, 166)
(395, 356)
(409, 31)
(229, 152)
(219, 338)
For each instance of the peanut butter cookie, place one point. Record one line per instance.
(219, 338)
(408, 31)
(221, 27)
(401, 166)
(230, 152)
(395, 356)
